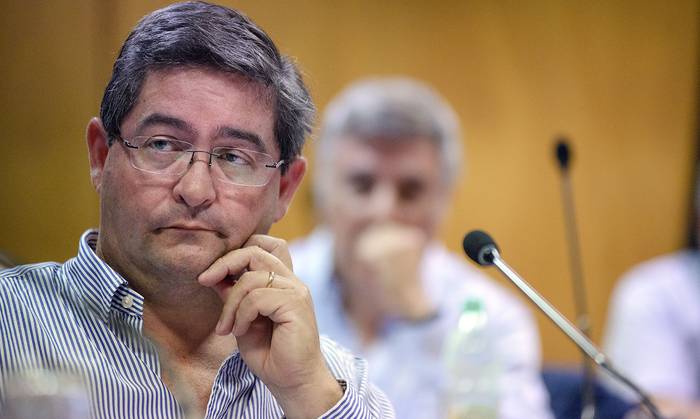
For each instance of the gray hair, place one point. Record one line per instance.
(389, 109)
(207, 35)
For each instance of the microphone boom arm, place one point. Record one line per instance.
(581, 340)
(554, 315)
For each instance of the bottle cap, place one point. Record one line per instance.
(473, 305)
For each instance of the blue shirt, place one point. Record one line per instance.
(82, 318)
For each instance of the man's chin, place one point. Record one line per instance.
(183, 255)
(185, 265)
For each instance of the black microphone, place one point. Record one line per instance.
(563, 153)
(479, 246)
(482, 249)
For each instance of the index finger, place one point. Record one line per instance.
(252, 258)
(274, 245)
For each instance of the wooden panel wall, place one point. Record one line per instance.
(619, 78)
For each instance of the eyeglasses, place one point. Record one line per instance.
(169, 156)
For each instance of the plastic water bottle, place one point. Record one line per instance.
(41, 394)
(472, 366)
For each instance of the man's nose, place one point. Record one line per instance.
(384, 204)
(196, 187)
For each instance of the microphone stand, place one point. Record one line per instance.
(563, 155)
(491, 255)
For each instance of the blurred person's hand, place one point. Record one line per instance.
(393, 252)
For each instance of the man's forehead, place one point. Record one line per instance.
(248, 111)
(393, 148)
(263, 92)
(417, 158)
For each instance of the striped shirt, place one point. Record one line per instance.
(82, 319)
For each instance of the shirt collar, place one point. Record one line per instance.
(99, 285)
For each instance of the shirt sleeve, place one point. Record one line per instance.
(361, 398)
(645, 338)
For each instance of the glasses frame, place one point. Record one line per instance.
(129, 146)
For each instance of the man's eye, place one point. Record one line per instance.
(162, 144)
(361, 184)
(235, 157)
(411, 190)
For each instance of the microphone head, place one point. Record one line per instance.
(480, 247)
(563, 153)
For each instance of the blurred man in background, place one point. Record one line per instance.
(386, 161)
(653, 329)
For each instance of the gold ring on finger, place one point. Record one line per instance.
(270, 279)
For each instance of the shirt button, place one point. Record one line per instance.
(127, 301)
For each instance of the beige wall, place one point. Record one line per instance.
(619, 78)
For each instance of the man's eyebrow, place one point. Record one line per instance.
(223, 132)
(162, 119)
(250, 137)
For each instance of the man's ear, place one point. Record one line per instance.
(97, 149)
(289, 182)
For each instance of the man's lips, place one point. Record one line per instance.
(192, 228)
(189, 227)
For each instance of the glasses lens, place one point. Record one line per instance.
(159, 154)
(243, 167)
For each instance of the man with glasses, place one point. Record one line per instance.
(181, 304)
(387, 158)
